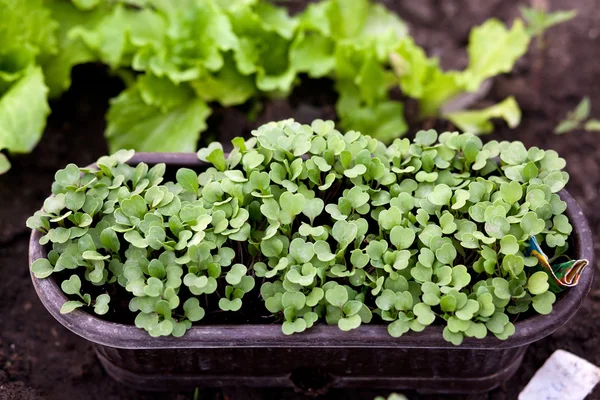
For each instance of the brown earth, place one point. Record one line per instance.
(39, 359)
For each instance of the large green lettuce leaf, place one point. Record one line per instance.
(23, 111)
(383, 120)
(421, 77)
(347, 17)
(190, 52)
(313, 54)
(478, 121)
(117, 36)
(135, 124)
(363, 34)
(27, 33)
(71, 49)
(493, 49)
(228, 86)
(14, 63)
(26, 23)
(359, 65)
(264, 47)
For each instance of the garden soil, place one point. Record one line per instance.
(39, 359)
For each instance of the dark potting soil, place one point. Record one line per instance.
(39, 359)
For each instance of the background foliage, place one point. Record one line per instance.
(179, 57)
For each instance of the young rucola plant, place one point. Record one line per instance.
(335, 227)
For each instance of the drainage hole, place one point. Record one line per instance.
(311, 381)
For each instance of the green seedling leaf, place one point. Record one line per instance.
(538, 283)
(509, 245)
(386, 300)
(337, 296)
(402, 238)
(71, 285)
(101, 305)
(235, 274)
(424, 314)
(538, 20)
(398, 327)
(289, 328)
(440, 195)
(230, 305)
(70, 306)
(344, 233)
(42, 268)
(188, 180)
(313, 208)
(531, 224)
(192, 310)
(542, 303)
(217, 158)
(349, 323)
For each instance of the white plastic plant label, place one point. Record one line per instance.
(564, 376)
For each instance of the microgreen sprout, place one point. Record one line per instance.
(336, 227)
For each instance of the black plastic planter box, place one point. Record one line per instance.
(323, 356)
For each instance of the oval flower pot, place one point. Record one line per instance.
(323, 356)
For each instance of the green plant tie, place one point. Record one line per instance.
(561, 276)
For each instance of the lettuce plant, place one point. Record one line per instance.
(177, 58)
(337, 228)
(26, 37)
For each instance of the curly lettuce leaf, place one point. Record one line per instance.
(198, 32)
(312, 53)
(14, 64)
(262, 49)
(316, 18)
(116, 38)
(276, 19)
(27, 23)
(161, 93)
(383, 120)
(71, 49)
(382, 30)
(347, 17)
(421, 77)
(196, 35)
(275, 72)
(23, 111)
(358, 64)
(360, 22)
(227, 86)
(479, 121)
(27, 32)
(493, 49)
(417, 74)
(135, 124)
